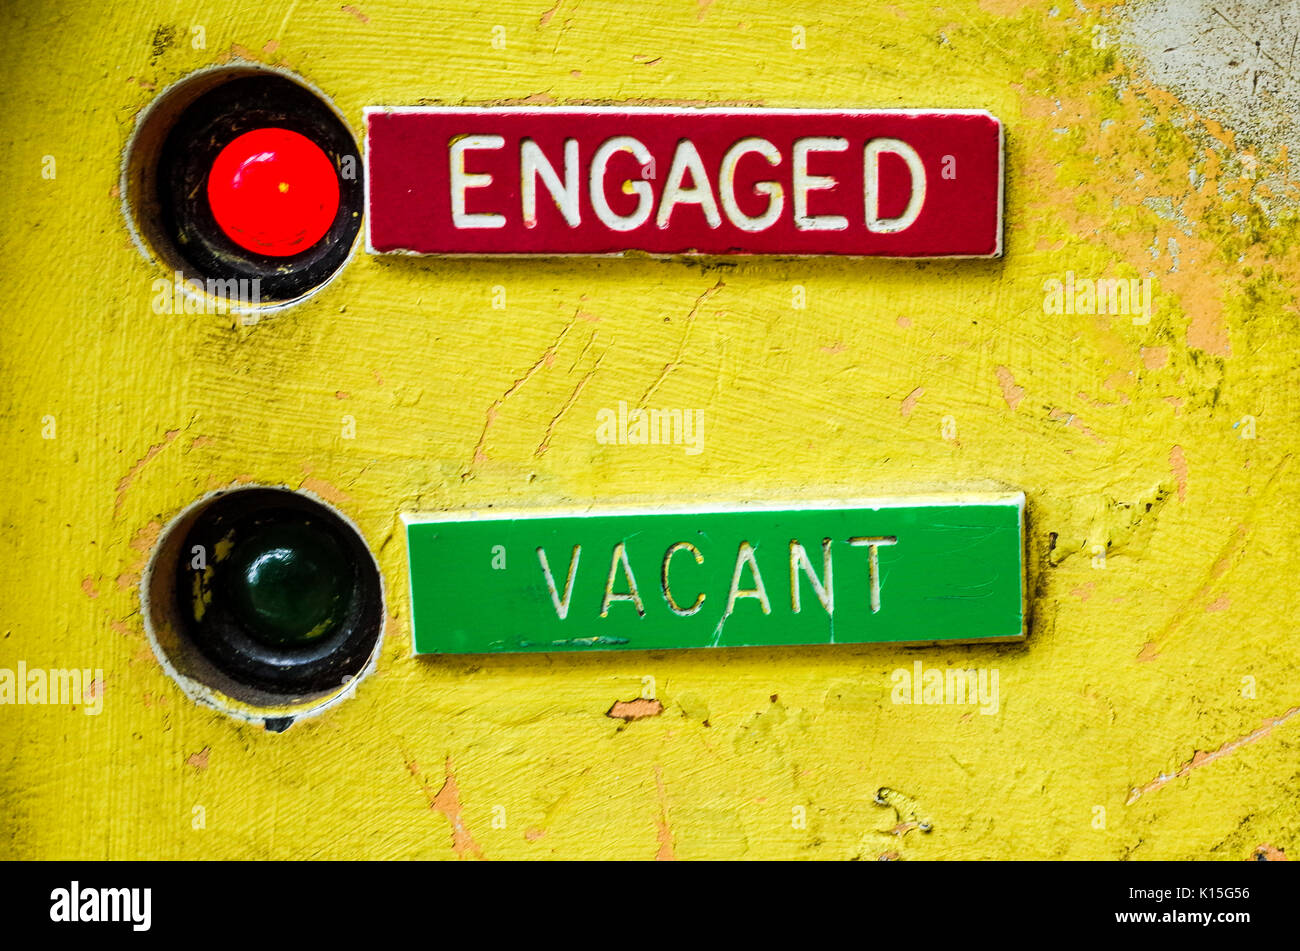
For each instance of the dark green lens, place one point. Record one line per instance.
(289, 583)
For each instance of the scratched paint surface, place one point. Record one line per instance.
(1158, 682)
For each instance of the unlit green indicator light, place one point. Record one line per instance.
(288, 583)
(905, 570)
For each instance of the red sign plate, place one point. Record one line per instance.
(539, 180)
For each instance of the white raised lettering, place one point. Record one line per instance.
(871, 185)
(645, 197)
(534, 164)
(772, 190)
(685, 159)
(804, 183)
(462, 180)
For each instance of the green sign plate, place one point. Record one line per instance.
(905, 570)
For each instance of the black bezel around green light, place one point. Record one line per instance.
(226, 632)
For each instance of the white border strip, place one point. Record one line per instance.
(680, 110)
(595, 511)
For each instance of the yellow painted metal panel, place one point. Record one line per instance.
(1152, 712)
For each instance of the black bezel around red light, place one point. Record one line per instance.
(208, 125)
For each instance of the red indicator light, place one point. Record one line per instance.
(274, 192)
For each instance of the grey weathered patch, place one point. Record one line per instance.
(1230, 60)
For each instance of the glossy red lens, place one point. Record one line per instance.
(274, 192)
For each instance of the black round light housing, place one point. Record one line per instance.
(171, 157)
(284, 596)
(264, 600)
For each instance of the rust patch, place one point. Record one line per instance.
(142, 542)
(1004, 8)
(681, 346)
(1073, 421)
(324, 490)
(1223, 562)
(545, 444)
(125, 482)
(545, 360)
(447, 801)
(638, 709)
(909, 401)
(237, 51)
(1206, 329)
(1155, 358)
(905, 827)
(1266, 853)
(1085, 591)
(1178, 466)
(199, 760)
(1201, 757)
(1010, 392)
